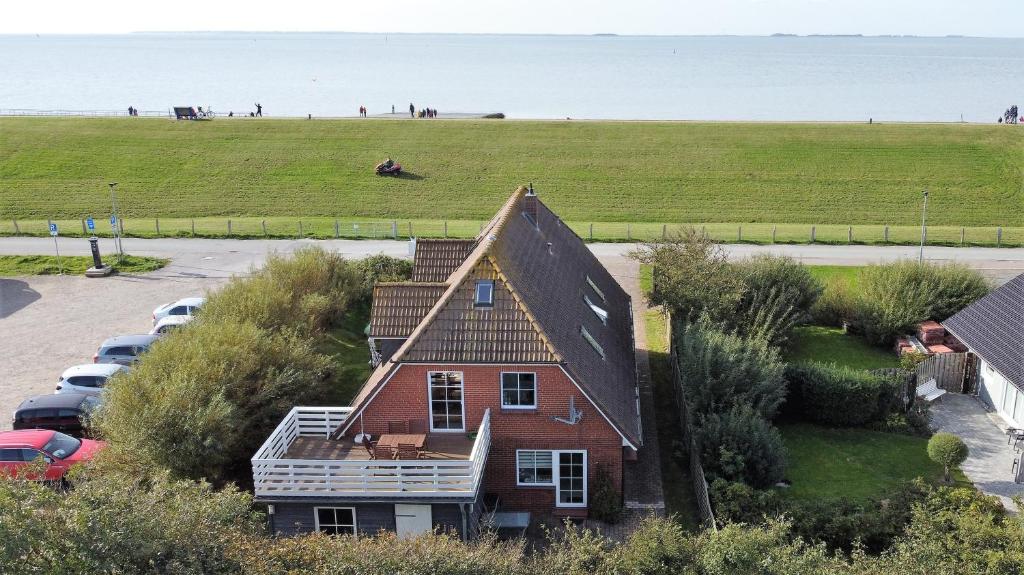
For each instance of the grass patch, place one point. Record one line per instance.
(646, 280)
(858, 464)
(675, 473)
(346, 344)
(827, 275)
(73, 265)
(751, 174)
(833, 345)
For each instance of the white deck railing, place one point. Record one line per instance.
(274, 475)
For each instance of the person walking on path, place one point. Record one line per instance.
(412, 110)
(392, 109)
(259, 110)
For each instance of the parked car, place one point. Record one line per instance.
(168, 323)
(187, 306)
(87, 378)
(63, 412)
(123, 349)
(58, 450)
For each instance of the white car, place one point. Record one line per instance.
(187, 306)
(88, 378)
(167, 323)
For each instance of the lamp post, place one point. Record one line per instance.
(924, 229)
(117, 221)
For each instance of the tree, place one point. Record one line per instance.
(947, 450)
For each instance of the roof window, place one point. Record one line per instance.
(596, 289)
(484, 295)
(593, 342)
(598, 310)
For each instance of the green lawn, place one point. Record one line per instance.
(610, 173)
(849, 275)
(827, 463)
(48, 265)
(347, 345)
(833, 345)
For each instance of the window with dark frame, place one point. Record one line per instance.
(446, 401)
(484, 296)
(518, 390)
(336, 520)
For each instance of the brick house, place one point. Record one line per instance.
(510, 356)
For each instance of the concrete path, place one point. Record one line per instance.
(990, 460)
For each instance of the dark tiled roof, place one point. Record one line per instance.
(437, 259)
(541, 277)
(993, 327)
(399, 307)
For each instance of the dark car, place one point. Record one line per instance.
(63, 412)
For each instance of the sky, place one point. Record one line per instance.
(993, 18)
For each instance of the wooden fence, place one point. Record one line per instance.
(950, 371)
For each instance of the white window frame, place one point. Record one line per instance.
(476, 293)
(462, 402)
(556, 476)
(501, 390)
(316, 519)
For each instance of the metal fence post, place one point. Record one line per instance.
(16, 229)
(300, 228)
(193, 226)
(84, 231)
(394, 229)
(410, 229)
(773, 233)
(885, 235)
(337, 231)
(961, 237)
(663, 231)
(446, 228)
(263, 224)
(739, 233)
(157, 226)
(120, 224)
(849, 235)
(229, 226)
(812, 234)
(591, 232)
(629, 232)
(999, 237)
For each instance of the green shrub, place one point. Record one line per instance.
(308, 292)
(382, 268)
(839, 396)
(204, 397)
(719, 371)
(778, 295)
(895, 297)
(947, 450)
(740, 445)
(656, 547)
(605, 500)
(836, 306)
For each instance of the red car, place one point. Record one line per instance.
(20, 448)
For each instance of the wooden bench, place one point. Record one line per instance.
(184, 113)
(929, 390)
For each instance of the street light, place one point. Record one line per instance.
(924, 229)
(117, 221)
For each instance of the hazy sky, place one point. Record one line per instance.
(920, 17)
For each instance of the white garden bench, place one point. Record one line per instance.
(929, 390)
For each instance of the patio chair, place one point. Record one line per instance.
(417, 426)
(371, 447)
(398, 426)
(407, 451)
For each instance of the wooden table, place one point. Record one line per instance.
(391, 440)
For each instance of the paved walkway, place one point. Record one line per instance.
(990, 460)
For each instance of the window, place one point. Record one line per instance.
(180, 310)
(572, 479)
(87, 380)
(534, 468)
(484, 293)
(120, 350)
(335, 520)
(598, 311)
(593, 342)
(10, 454)
(62, 446)
(596, 289)
(519, 390)
(446, 401)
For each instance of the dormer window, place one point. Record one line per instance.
(596, 289)
(593, 342)
(600, 312)
(484, 294)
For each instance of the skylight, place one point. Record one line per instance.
(593, 342)
(598, 311)
(596, 289)
(484, 296)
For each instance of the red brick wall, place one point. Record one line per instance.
(405, 397)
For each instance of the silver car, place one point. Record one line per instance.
(123, 349)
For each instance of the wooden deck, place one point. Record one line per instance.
(453, 446)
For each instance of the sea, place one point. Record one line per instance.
(776, 78)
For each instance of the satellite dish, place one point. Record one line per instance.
(575, 415)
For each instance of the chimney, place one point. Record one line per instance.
(530, 205)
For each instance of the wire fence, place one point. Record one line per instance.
(85, 113)
(326, 228)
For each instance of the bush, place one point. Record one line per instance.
(836, 305)
(605, 500)
(382, 268)
(895, 297)
(839, 396)
(307, 292)
(719, 371)
(778, 296)
(947, 450)
(740, 445)
(204, 397)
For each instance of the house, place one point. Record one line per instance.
(993, 329)
(510, 357)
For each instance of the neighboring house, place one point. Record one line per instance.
(993, 329)
(512, 353)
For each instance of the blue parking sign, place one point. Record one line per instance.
(53, 229)
(89, 223)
